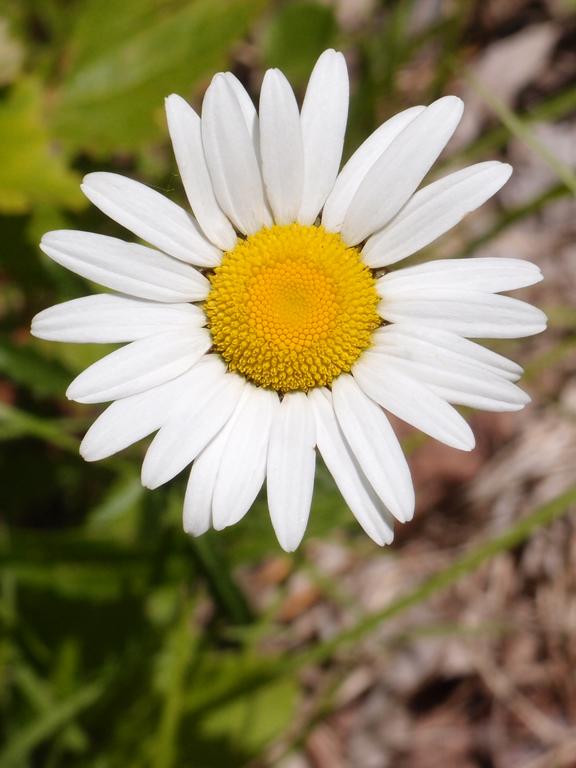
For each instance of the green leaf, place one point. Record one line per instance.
(112, 98)
(31, 172)
(26, 366)
(236, 700)
(121, 21)
(252, 721)
(120, 500)
(310, 24)
(18, 423)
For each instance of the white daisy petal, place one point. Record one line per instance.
(247, 107)
(107, 318)
(290, 469)
(235, 450)
(395, 176)
(372, 515)
(355, 170)
(418, 342)
(232, 159)
(375, 446)
(434, 210)
(461, 384)
(141, 365)
(126, 421)
(468, 313)
(197, 515)
(126, 267)
(480, 274)
(412, 402)
(243, 464)
(151, 216)
(281, 147)
(202, 412)
(186, 134)
(323, 120)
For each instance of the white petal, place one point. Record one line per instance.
(375, 446)
(323, 120)
(290, 469)
(412, 402)
(197, 514)
(395, 176)
(247, 107)
(126, 267)
(151, 216)
(201, 489)
(203, 411)
(352, 484)
(434, 210)
(460, 384)
(418, 342)
(232, 159)
(468, 313)
(141, 365)
(186, 134)
(281, 147)
(243, 466)
(107, 318)
(355, 170)
(128, 420)
(480, 274)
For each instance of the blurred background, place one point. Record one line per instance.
(124, 642)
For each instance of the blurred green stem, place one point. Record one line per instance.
(48, 724)
(181, 651)
(444, 578)
(516, 214)
(226, 593)
(16, 423)
(518, 128)
(554, 108)
(39, 694)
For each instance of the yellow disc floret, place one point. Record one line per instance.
(291, 307)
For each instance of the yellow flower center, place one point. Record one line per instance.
(291, 307)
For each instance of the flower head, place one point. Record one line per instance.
(267, 324)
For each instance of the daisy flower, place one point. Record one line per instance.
(266, 325)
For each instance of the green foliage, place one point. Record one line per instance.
(11, 54)
(255, 718)
(312, 25)
(28, 367)
(31, 173)
(112, 95)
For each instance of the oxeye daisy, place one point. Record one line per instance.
(267, 325)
